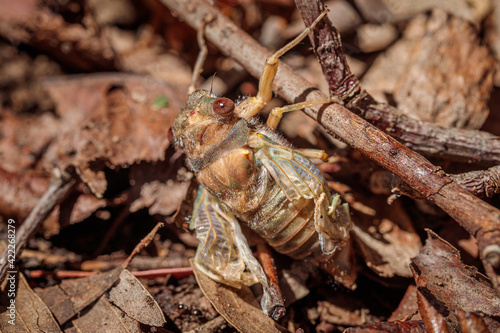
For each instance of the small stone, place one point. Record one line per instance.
(383, 11)
(375, 37)
(343, 16)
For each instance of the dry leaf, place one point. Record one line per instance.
(438, 269)
(438, 72)
(68, 298)
(20, 193)
(135, 301)
(434, 322)
(80, 45)
(471, 322)
(24, 139)
(31, 314)
(449, 284)
(342, 266)
(104, 317)
(238, 307)
(394, 11)
(492, 36)
(450, 74)
(407, 307)
(74, 209)
(124, 124)
(387, 241)
(162, 186)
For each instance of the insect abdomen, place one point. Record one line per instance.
(287, 226)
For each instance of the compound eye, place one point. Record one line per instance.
(223, 106)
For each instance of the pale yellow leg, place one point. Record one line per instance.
(277, 113)
(252, 105)
(312, 153)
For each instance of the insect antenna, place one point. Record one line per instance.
(212, 83)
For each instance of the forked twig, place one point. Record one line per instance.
(454, 144)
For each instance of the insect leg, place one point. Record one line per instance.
(324, 226)
(312, 153)
(277, 113)
(252, 105)
(332, 222)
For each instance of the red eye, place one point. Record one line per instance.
(223, 106)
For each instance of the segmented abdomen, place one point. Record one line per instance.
(285, 225)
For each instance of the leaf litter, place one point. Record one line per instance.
(112, 128)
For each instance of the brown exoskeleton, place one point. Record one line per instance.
(249, 174)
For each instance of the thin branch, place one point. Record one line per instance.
(60, 185)
(481, 183)
(177, 272)
(328, 49)
(143, 244)
(267, 261)
(479, 218)
(454, 144)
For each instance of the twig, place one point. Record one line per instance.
(481, 183)
(265, 258)
(60, 185)
(454, 144)
(179, 272)
(142, 244)
(476, 216)
(37, 274)
(328, 49)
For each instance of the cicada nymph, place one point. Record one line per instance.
(248, 174)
